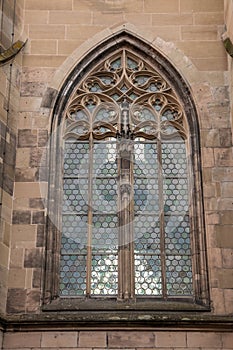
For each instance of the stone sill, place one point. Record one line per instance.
(175, 321)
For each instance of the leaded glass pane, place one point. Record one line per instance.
(148, 275)
(73, 275)
(104, 274)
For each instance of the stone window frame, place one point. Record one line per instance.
(51, 299)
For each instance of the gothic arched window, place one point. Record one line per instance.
(127, 220)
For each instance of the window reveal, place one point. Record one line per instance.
(125, 221)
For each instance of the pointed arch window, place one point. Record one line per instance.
(125, 214)
(127, 224)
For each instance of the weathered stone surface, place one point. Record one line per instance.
(27, 138)
(21, 217)
(40, 236)
(16, 300)
(33, 258)
(38, 217)
(131, 339)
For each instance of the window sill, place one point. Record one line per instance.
(103, 304)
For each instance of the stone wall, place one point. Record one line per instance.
(131, 340)
(60, 33)
(10, 72)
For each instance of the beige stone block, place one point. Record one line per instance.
(217, 297)
(36, 17)
(204, 32)
(22, 340)
(210, 138)
(161, 6)
(70, 17)
(6, 214)
(6, 233)
(92, 339)
(107, 19)
(21, 203)
(27, 190)
(23, 233)
(169, 339)
(226, 217)
(227, 258)
(25, 120)
(205, 340)
(201, 6)
(170, 33)
(59, 339)
(28, 278)
(2, 83)
(227, 339)
(43, 61)
(138, 19)
(228, 298)
(224, 236)
(208, 18)
(4, 256)
(208, 157)
(66, 47)
(227, 189)
(50, 31)
(16, 278)
(202, 49)
(78, 32)
(109, 5)
(215, 257)
(16, 257)
(209, 64)
(7, 199)
(43, 47)
(225, 204)
(170, 19)
(40, 122)
(223, 156)
(48, 5)
(225, 277)
(38, 75)
(212, 218)
(23, 157)
(209, 190)
(30, 104)
(131, 339)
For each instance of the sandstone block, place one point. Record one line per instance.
(45, 61)
(33, 258)
(199, 32)
(204, 340)
(169, 339)
(131, 339)
(208, 18)
(36, 17)
(16, 278)
(59, 339)
(160, 6)
(224, 236)
(92, 339)
(225, 278)
(21, 217)
(16, 304)
(201, 6)
(70, 17)
(48, 5)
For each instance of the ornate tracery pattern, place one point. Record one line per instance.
(126, 222)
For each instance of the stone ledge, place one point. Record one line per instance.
(116, 321)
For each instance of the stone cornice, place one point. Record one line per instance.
(116, 321)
